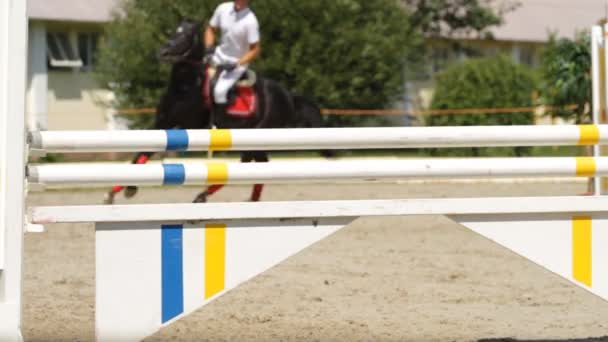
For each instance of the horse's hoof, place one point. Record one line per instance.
(108, 198)
(130, 191)
(201, 198)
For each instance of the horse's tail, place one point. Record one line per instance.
(309, 116)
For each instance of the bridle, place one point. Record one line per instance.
(186, 55)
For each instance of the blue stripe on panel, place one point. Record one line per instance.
(172, 272)
(174, 174)
(177, 140)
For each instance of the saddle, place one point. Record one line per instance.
(242, 98)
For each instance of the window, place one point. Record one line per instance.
(527, 56)
(87, 48)
(491, 51)
(440, 58)
(61, 52)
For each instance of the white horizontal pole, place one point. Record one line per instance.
(316, 209)
(317, 138)
(316, 171)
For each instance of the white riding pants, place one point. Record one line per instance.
(226, 80)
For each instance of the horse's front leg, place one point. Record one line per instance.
(212, 189)
(140, 158)
(202, 197)
(256, 193)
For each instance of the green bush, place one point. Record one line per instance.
(495, 82)
(565, 78)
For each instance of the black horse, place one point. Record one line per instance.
(183, 105)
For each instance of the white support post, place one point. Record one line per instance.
(596, 42)
(37, 106)
(13, 59)
(599, 150)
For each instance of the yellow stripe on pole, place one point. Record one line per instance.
(589, 135)
(581, 249)
(215, 259)
(217, 173)
(220, 140)
(585, 167)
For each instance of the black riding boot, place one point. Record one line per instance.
(219, 113)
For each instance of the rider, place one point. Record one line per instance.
(240, 45)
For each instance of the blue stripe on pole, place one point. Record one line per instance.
(177, 140)
(174, 174)
(172, 269)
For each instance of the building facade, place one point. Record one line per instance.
(63, 39)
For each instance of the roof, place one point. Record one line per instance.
(534, 19)
(72, 10)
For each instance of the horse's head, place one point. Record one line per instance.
(184, 44)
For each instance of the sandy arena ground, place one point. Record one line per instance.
(379, 279)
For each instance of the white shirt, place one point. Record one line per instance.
(239, 30)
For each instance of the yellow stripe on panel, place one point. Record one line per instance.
(215, 259)
(221, 140)
(581, 249)
(217, 173)
(589, 135)
(585, 167)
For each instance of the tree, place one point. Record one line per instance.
(343, 53)
(566, 78)
(495, 82)
(448, 18)
(451, 20)
(127, 60)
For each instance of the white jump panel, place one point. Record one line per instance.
(177, 268)
(572, 246)
(197, 173)
(151, 274)
(317, 138)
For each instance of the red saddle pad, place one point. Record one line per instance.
(245, 103)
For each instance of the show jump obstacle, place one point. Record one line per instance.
(157, 263)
